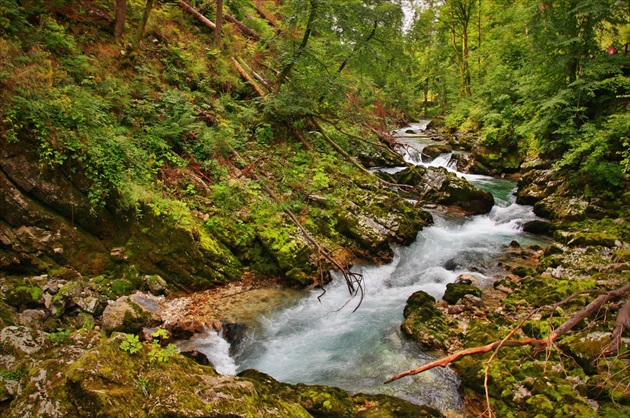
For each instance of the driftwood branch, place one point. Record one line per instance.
(538, 345)
(622, 324)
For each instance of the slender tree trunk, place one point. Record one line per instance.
(465, 66)
(307, 33)
(479, 37)
(425, 91)
(219, 24)
(119, 19)
(143, 23)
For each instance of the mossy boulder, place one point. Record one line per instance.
(411, 176)
(184, 252)
(290, 250)
(24, 296)
(19, 343)
(125, 315)
(585, 348)
(455, 291)
(584, 239)
(425, 323)
(438, 185)
(498, 158)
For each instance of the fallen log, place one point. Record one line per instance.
(245, 30)
(271, 19)
(257, 76)
(249, 79)
(188, 8)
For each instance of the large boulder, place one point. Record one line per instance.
(431, 152)
(456, 291)
(438, 185)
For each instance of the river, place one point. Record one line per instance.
(313, 342)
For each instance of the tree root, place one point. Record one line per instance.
(538, 345)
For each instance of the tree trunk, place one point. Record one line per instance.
(245, 30)
(307, 33)
(219, 24)
(465, 66)
(119, 19)
(143, 23)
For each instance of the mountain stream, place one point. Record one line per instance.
(313, 342)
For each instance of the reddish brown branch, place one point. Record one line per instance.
(621, 324)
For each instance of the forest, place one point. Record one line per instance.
(159, 151)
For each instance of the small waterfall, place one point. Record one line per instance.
(214, 347)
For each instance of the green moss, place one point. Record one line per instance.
(24, 296)
(455, 291)
(425, 323)
(122, 287)
(7, 315)
(541, 291)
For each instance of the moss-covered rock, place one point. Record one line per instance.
(24, 296)
(438, 185)
(99, 378)
(584, 239)
(125, 315)
(455, 291)
(192, 258)
(425, 323)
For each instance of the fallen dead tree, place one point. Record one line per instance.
(244, 29)
(538, 345)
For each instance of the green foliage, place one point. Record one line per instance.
(143, 385)
(160, 334)
(131, 344)
(60, 336)
(15, 374)
(161, 355)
